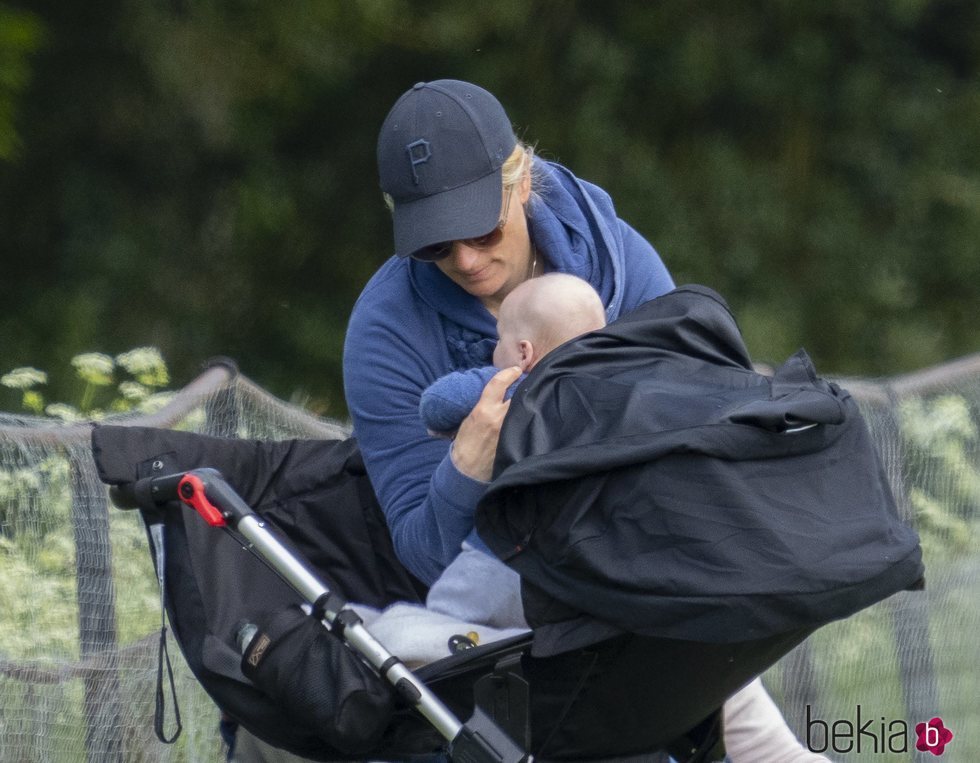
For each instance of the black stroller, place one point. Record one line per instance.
(660, 544)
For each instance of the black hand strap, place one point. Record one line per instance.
(163, 655)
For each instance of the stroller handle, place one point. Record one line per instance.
(479, 740)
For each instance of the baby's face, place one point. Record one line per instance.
(508, 352)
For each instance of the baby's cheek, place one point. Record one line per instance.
(506, 355)
(498, 355)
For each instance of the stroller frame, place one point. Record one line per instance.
(478, 740)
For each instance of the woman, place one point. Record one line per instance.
(475, 214)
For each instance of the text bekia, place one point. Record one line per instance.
(861, 735)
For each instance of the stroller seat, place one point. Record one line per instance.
(565, 706)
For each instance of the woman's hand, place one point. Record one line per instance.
(475, 446)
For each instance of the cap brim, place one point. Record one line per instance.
(468, 211)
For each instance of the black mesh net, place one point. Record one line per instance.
(80, 610)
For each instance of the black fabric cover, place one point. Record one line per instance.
(649, 480)
(315, 491)
(317, 497)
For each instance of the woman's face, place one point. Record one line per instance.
(491, 274)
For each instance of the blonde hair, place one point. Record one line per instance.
(520, 161)
(517, 164)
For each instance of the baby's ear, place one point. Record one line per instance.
(527, 355)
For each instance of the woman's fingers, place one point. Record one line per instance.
(498, 384)
(475, 446)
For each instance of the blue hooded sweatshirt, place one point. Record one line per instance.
(412, 325)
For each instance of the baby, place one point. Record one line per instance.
(535, 318)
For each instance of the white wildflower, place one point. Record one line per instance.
(146, 364)
(133, 391)
(65, 412)
(94, 367)
(23, 378)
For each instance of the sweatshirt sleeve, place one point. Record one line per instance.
(449, 400)
(389, 358)
(646, 275)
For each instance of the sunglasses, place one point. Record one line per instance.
(436, 252)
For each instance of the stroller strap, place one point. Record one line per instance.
(163, 654)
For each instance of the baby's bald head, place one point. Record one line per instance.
(542, 313)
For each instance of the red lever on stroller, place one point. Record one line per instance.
(192, 492)
(479, 740)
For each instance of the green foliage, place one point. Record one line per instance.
(37, 559)
(33, 498)
(37, 535)
(20, 36)
(209, 167)
(942, 457)
(44, 511)
(35, 495)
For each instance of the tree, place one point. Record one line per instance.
(199, 175)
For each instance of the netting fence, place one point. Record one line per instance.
(80, 609)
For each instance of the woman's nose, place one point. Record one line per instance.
(466, 258)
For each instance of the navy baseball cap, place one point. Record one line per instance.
(440, 153)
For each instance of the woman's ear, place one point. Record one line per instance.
(525, 185)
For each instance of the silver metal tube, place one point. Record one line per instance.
(311, 588)
(295, 573)
(440, 716)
